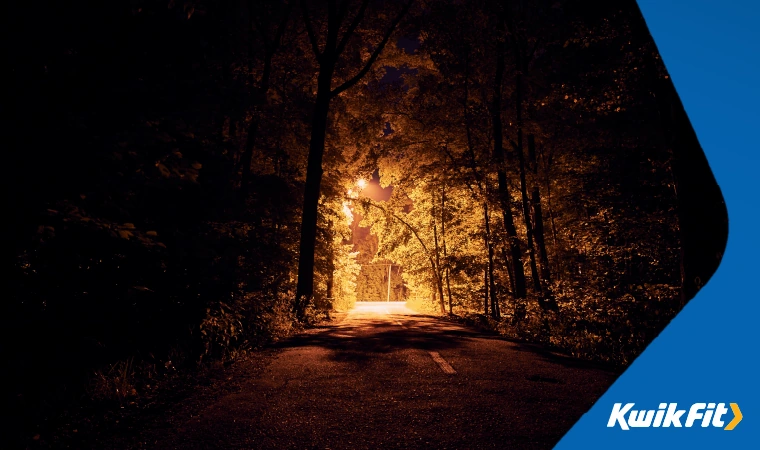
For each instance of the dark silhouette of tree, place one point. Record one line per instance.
(328, 55)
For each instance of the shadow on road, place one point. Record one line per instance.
(360, 340)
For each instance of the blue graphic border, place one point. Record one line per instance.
(708, 353)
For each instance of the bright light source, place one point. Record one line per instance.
(362, 183)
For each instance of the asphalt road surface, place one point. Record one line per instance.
(386, 377)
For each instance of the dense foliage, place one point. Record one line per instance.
(535, 177)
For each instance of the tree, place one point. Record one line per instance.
(260, 88)
(328, 57)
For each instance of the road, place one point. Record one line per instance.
(385, 377)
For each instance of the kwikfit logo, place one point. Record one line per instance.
(668, 415)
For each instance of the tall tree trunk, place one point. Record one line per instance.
(491, 288)
(510, 277)
(490, 291)
(538, 228)
(330, 265)
(504, 195)
(330, 280)
(547, 164)
(327, 59)
(448, 292)
(305, 285)
(523, 185)
(485, 291)
(440, 293)
(443, 239)
(438, 271)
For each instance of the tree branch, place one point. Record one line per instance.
(434, 267)
(351, 28)
(411, 228)
(310, 32)
(352, 81)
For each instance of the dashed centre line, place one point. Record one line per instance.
(446, 367)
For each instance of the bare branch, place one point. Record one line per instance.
(403, 222)
(310, 31)
(352, 81)
(352, 27)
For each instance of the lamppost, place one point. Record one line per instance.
(389, 282)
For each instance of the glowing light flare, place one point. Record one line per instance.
(347, 212)
(353, 193)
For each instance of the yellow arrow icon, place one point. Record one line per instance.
(737, 417)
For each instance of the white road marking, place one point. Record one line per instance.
(442, 363)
